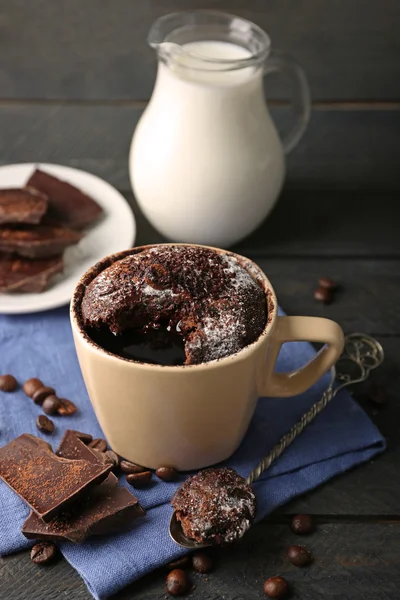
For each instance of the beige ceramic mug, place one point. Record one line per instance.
(193, 416)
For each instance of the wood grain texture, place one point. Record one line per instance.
(306, 224)
(73, 49)
(351, 561)
(340, 150)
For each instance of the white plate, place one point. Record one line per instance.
(115, 231)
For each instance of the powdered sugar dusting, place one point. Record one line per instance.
(207, 297)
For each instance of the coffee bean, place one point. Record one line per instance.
(113, 458)
(129, 467)
(328, 283)
(377, 394)
(167, 473)
(44, 424)
(98, 444)
(323, 295)
(43, 553)
(51, 404)
(181, 563)
(276, 587)
(67, 408)
(31, 386)
(139, 480)
(177, 583)
(302, 524)
(41, 394)
(8, 383)
(84, 437)
(202, 562)
(299, 556)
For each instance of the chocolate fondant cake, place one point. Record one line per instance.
(215, 506)
(206, 298)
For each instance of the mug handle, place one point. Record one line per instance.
(301, 101)
(304, 329)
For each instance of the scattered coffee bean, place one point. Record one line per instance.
(181, 563)
(167, 473)
(202, 562)
(51, 404)
(139, 480)
(84, 437)
(276, 587)
(377, 394)
(328, 283)
(177, 583)
(302, 524)
(299, 556)
(31, 386)
(113, 458)
(323, 295)
(41, 394)
(43, 553)
(129, 467)
(98, 444)
(44, 424)
(8, 383)
(67, 408)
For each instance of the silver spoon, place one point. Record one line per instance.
(361, 351)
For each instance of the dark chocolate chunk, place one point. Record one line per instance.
(328, 283)
(84, 437)
(104, 509)
(67, 204)
(22, 205)
(324, 295)
(8, 383)
(181, 563)
(24, 275)
(43, 480)
(42, 241)
(99, 444)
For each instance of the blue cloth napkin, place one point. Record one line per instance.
(41, 346)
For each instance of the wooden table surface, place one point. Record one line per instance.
(354, 238)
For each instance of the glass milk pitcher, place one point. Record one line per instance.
(206, 162)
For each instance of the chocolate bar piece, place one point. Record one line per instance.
(46, 482)
(22, 205)
(67, 204)
(18, 274)
(40, 242)
(105, 509)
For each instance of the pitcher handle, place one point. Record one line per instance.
(301, 100)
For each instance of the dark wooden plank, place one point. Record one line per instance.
(351, 561)
(307, 224)
(73, 49)
(341, 149)
(373, 488)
